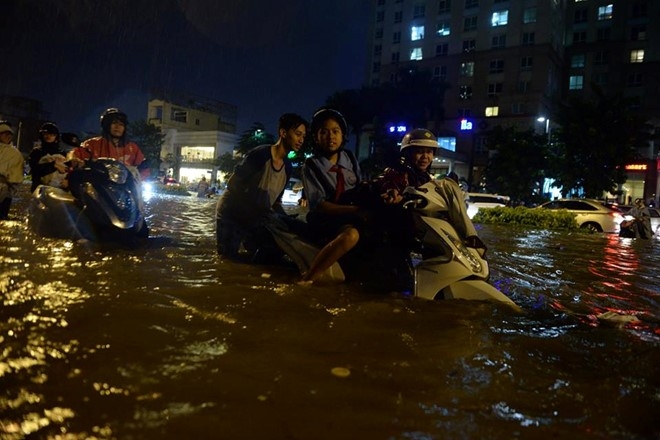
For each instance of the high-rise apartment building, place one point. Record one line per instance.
(507, 62)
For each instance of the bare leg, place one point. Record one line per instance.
(331, 252)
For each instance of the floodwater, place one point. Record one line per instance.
(166, 341)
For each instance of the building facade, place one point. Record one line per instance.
(197, 131)
(507, 62)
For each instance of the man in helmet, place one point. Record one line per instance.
(11, 168)
(417, 149)
(328, 177)
(47, 159)
(113, 143)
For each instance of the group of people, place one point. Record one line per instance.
(58, 153)
(344, 210)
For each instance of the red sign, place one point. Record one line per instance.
(636, 167)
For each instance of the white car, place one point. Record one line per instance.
(292, 192)
(475, 201)
(589, 214)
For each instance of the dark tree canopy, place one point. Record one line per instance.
(150, 140)
(596, 140)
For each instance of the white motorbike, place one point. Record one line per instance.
(446, 268)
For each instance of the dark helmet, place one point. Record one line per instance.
(71, 139)
(50, 128)
(419, 137)
(110, 115)
(323, 114)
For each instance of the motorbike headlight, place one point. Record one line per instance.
(116, 173)
(465, 253)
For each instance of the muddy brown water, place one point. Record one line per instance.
(165, 341)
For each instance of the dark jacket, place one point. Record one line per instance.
(39, 170)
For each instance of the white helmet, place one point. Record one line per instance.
(419, 137)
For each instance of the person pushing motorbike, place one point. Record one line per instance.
(113, 143)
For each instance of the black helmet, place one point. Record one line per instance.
(71, 139)
(50, 128)
(419, 137)
(110, 115)
(323, 114)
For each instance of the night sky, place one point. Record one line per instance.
(81, 56)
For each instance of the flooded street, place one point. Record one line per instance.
(168, 342)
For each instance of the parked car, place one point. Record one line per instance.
(655, 217)
(292, 192)
(476, 201)
(169, 180)
(589, 214)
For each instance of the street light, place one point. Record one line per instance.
(547, 125)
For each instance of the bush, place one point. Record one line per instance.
(530, 217)
(177, 190)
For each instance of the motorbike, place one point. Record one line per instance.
(441, 265)
(103, 203)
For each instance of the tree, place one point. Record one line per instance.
(519, 163)
(597, 139)
(150, 140)
(226, 163)
(253, 137)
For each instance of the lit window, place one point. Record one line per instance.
(417, 33)
(499, 18)
(492, 111)
(444, 29)
(605, 12)
(576, 82)
(577, 61)
(448, 143)
(416, 54)
(467, 69)
(637, 56)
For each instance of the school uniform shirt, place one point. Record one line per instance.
(320, 183)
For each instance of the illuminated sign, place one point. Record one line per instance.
(398, 129)
(636, 167)
(466, 125)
